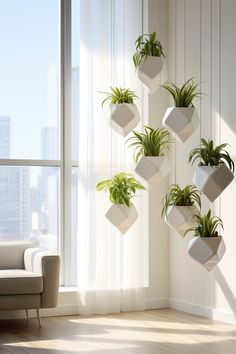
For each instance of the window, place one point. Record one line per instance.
(37, 128)
(42, 50)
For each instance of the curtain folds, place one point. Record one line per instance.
(112, 269)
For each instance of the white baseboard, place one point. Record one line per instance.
(64, 310)
(160, 303)
(190, 308)
(72, 309)
(195, 309)
(224, 316)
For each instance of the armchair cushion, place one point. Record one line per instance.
(12, 254)
(20, 281)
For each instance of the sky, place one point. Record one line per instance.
(29, 58)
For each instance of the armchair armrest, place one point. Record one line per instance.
(48, 265)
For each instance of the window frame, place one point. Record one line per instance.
(64, 163)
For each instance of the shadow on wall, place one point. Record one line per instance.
(226, 290)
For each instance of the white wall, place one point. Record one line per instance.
(201, 45)
(158, 291)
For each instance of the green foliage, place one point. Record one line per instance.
(187, 196)
(152, 142)
(183, 95)
(119, 95)
(122, 187)
(147, 44)
(206, 225)
(210, 155)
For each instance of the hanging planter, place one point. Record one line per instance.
(212, 175)
(122, 187)
(152, 164)
(180, 206)
(206, 246)
(153, 169)
(149, 61)
(122, 216)
(182, 119)
(123, 114)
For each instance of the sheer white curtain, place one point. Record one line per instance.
(112, 269)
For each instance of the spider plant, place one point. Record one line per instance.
(210, 155)
(187, 196)
(119, 95)
(122, 187)
(206, 225)
(153, 142)
(183, 95)
(147, 45)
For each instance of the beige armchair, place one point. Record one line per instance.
(29, 277)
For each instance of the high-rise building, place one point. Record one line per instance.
(14, 191)
(5, 136)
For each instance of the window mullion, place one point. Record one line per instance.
(65, 65)
(30, 162)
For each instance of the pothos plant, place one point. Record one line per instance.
(121, 187)
(183, 95)
(210, 155)
(153, 142)
(206, 225)
(118, 95)
(147, 45)
(187, 196)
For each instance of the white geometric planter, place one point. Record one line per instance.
(152, 72)
(181, 218)
(212, 180)
(123, 117)
(182, 121)
(207, 251)
(121, 216)
(153, 168)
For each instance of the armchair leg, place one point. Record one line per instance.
(38, 317)
(27, 315)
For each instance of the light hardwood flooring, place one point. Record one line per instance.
(162, 331)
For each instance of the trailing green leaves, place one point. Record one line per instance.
(206, 225)
(153, 142)
(122, 187)
(210, 155)
(147, 44)
(183, 95)
(187, 196)
(119, 95)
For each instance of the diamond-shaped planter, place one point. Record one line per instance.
(182, 121)
(123, 117)
(153, 168)
(152, 72)
(181, 218)
(207, 251)
(212, 180)
(121, 216)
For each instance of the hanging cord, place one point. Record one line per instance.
(175, 154)
(200, 71)
(220, 79)
(111, 72)
(124, 73)
(142, 89)
(200, 123)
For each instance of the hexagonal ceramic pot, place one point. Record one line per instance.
(121, 216)
(207, 251)
(212, 180)
(181, 218)
(182, 121)
(123, 117)
(152, 72)
(153, 168)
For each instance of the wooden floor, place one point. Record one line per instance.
(157, 331)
